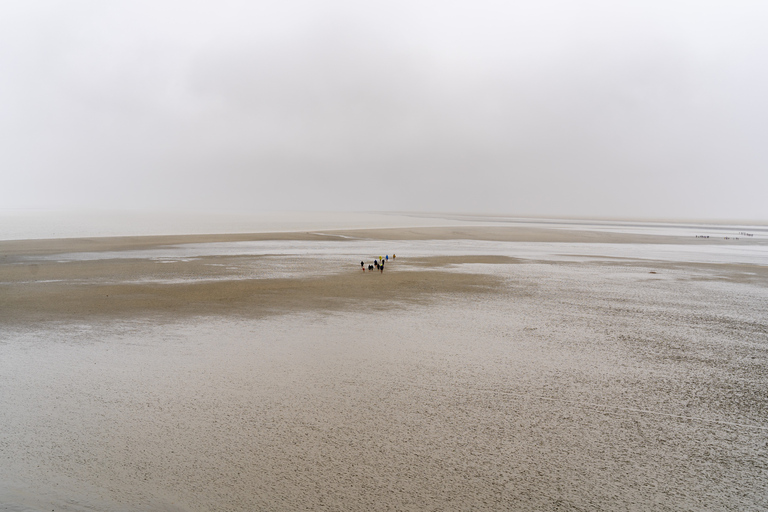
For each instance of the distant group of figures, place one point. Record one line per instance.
(378, 264)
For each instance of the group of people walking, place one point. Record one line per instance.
(378, 264)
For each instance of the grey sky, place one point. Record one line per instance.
(642, 108)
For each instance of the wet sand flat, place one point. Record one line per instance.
(448, 382)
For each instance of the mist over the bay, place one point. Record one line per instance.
(630, 109)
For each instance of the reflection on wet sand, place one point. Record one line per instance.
(282, 382)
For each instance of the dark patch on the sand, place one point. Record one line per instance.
(92, 297)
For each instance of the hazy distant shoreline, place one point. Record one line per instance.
(54, 224)
(534, 233)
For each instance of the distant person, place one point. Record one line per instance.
(393, 256)
(362, 265)
(370, 268)
(381, 267)
(386, 257)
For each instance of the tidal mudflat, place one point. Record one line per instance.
(495, 368)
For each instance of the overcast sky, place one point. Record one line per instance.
(585, 108)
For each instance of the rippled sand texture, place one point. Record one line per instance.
(475, 384)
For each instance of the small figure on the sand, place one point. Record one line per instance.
(376, 263)
(381, 267)
(370, 268)
(393, 256)
(362, 265)
(386, 257)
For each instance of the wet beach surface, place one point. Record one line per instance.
(289, 381)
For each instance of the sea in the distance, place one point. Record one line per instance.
(17, 224)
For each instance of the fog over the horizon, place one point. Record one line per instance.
(592, 108)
